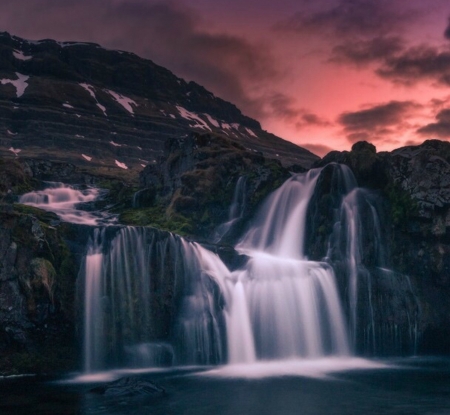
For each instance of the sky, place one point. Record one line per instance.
(323, 74)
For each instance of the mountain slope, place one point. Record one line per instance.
(110, 110)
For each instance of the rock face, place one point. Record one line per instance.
(37, 289)
(110, 111)
(196, 180)
(413, 184)
(37, 282)
(129, 387)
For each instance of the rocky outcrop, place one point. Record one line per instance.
(37, 289)
(413, 184)
(37, 282)
(195, 181)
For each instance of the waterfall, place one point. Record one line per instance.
(133, 283)
(236, 210)
(281, 305)
(67, 202)
(315, 281)
(377, 325)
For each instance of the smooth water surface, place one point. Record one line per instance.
(406, 387)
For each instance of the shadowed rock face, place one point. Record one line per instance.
(197, 176)
(110, 110)
(414, 184)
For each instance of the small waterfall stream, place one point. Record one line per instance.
(65, 202)
(152, 298)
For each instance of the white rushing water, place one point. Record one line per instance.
(281, 305)
(236, 210)
(127, 300)
(65, 201)
(278, 306)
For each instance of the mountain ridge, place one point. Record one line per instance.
(78, 102)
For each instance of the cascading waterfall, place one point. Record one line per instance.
(64, 201)
(281, 305)
(356, 248)
(133, 282)
(152, 298)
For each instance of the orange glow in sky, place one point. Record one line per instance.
(322, 74)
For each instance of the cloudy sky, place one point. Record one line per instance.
(323, 74)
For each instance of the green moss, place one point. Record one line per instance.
(403, 206)
(156, 217)
(41, 215)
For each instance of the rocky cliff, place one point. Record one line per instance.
(38, 273)
(413, 187)
(192, 187)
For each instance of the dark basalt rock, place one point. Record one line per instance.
(129, 387)
(414, 185)
(195, 181)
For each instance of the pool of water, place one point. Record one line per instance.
(402, 387)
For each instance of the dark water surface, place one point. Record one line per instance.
(407, 387)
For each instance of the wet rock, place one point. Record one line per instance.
(129, 387)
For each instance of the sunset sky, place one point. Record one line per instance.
(323, 74)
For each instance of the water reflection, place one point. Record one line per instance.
(407, 386)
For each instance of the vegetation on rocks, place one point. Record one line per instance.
(193, 185)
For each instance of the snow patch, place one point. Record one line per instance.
(90, 89)
(86, 157)
(16, 151)
(102, 108)
(250, 132)
(143, 165)
(68, 44)
(121, 165)
(78, 115)
(172, 116)
(65, 105)
(115, 144)
(18, 54)
(10, 132)
(212, 121)
(192, 116)
(20, 83)
(123, 100)
(79, 136)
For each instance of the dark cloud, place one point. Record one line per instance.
(285, 107)
(378, 122)
(361, 52)
(417, 64)
(166, 32)
(441, 128)
(349, 18)
(309, 119)
(363, 32)
(447, 30)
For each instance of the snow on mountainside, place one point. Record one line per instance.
(65, 100)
